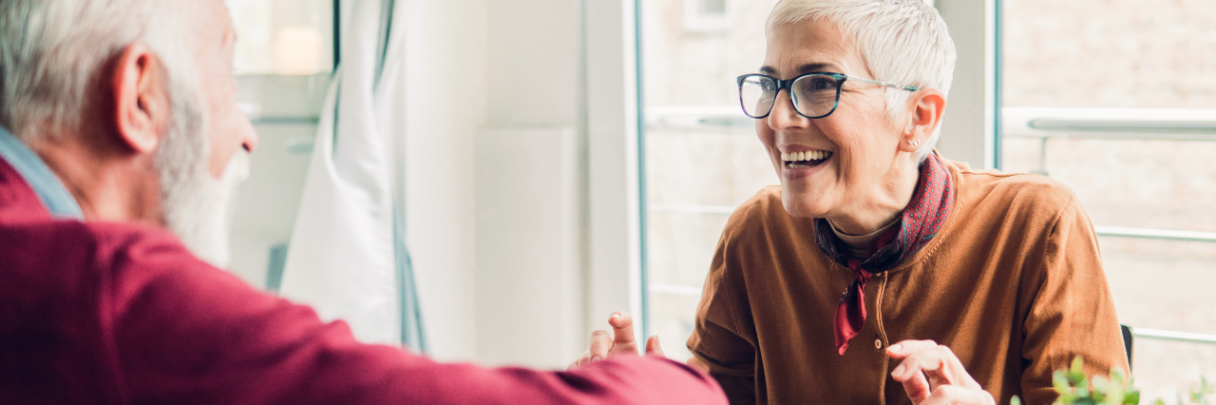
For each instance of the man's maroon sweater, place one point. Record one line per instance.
(111, 313)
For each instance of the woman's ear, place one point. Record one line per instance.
(927, 108)
(141, 98)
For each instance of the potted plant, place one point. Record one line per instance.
(1075, 388)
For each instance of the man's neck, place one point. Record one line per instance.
(112, 187)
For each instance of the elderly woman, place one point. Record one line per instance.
(880, 272)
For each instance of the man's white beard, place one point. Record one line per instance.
(195, 205)
(202, 215)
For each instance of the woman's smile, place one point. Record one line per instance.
(802, 164)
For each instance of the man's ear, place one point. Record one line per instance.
(141, 97)
(927, 108)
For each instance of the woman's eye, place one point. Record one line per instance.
(822, 83)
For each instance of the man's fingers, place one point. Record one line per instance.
(622, 333)
(601, 343)
(582, 361)
(653, 348)
(622, 328)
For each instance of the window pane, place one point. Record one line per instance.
(1090, 64)
(284, 54)
(283, 37)
(702, 155)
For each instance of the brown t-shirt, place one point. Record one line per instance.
(1013, 284)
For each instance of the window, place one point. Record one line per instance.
(702, 155)
(705, 15)
(284, 55)
(283, 37)
(1117, 100)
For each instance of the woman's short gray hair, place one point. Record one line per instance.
(902, 41)
(52, 50)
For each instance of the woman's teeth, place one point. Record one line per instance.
(810, 157)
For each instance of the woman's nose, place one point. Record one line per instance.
(784, 116)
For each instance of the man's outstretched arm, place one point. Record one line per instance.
(188, 333)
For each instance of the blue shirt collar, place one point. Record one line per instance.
(55, 197)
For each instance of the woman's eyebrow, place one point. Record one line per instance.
(806, 68)
(816, 67)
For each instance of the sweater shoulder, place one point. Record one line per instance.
(58, 254)
(762, 210)
(1022, 194)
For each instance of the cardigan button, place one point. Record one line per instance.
(878, 344)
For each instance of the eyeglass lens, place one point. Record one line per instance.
(812, 95)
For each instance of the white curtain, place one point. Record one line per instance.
(347, 257)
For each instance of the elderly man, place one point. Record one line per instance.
(880, 272)
(123, 116)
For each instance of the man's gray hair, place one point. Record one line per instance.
(51, 51)
(904, 42)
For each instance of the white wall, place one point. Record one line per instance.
(533, 64)
(526, 69)
(515, 68)
(529, 281)
(446, 103)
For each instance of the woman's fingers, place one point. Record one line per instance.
(931, 362)
(937, 361)
(916, 386)
(653, 348)
(902, 349)
(954, 395)
(926, 367)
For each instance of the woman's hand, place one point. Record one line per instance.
(621, 342)
(932, 374)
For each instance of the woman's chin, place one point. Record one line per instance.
(803, 206)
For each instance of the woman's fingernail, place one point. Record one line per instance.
(616, 315)
(896, 347)
(898, 370)
(597, 358)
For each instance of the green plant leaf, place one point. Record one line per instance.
(1060, 382)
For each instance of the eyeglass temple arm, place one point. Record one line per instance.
(896, 86)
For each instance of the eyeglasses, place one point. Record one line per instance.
(814, 95)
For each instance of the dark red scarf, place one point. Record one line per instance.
(920, 221)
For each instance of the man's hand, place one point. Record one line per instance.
(621, 342)
(932, 375)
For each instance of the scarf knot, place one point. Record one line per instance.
(918, 224)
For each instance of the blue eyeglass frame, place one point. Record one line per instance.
(787, 85)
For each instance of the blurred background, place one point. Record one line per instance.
(635, 103)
